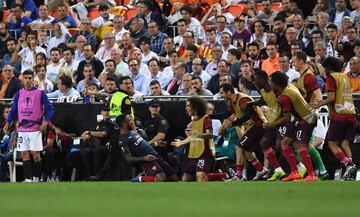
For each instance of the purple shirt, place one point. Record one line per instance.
(241, 39)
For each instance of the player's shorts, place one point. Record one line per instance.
(287, 130)
(339, 131)
(158, 166)
(29, 141)
(202, 164)
(270, 135)
(303, 132)
(251, 138)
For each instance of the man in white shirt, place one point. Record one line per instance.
(285, 68)
(105, 18)
(89, 74)
(64, 84)
(182, 27)
(226, 44)
(44, 20)
(118, 27)
(154, 67)
(69, 61)
(169, 70)
(220, 26)
(53, 68)
(61, 36)
(197, 70)
(27, 54)
(193, 23)
(121, 66)
(80, 42)
(42, 82)
(104, 53)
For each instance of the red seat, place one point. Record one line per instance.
(130, 13)
(236, 10)
(94, 13)
(277, 6)
(5, 15)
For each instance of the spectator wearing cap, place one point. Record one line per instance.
(336, 14)
(85, 30)
(104, 52)
(193, 24)
(105, 18)
(156, 128)
(156, 74)
(220, 26)
(267, 14)
(138, 30)
(241, 36)
(155, 90)
(156, 37)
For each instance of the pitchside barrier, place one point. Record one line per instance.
(77, 117)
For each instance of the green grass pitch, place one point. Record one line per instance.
(105, 199)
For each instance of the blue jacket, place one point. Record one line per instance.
(332, 13)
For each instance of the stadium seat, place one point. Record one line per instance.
(258, 7)
(236, 10)
(324, 116)
(94, 13)
(276, 6)
(130, 13)
(12, 166)
(5, 15)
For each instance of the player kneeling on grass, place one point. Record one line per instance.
(137, 150)
(201, 145)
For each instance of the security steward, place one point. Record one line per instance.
(156, 128)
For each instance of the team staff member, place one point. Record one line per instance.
(341, 131)
(292, 103)
(156, 128)
(28, 107)
(137, 150)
